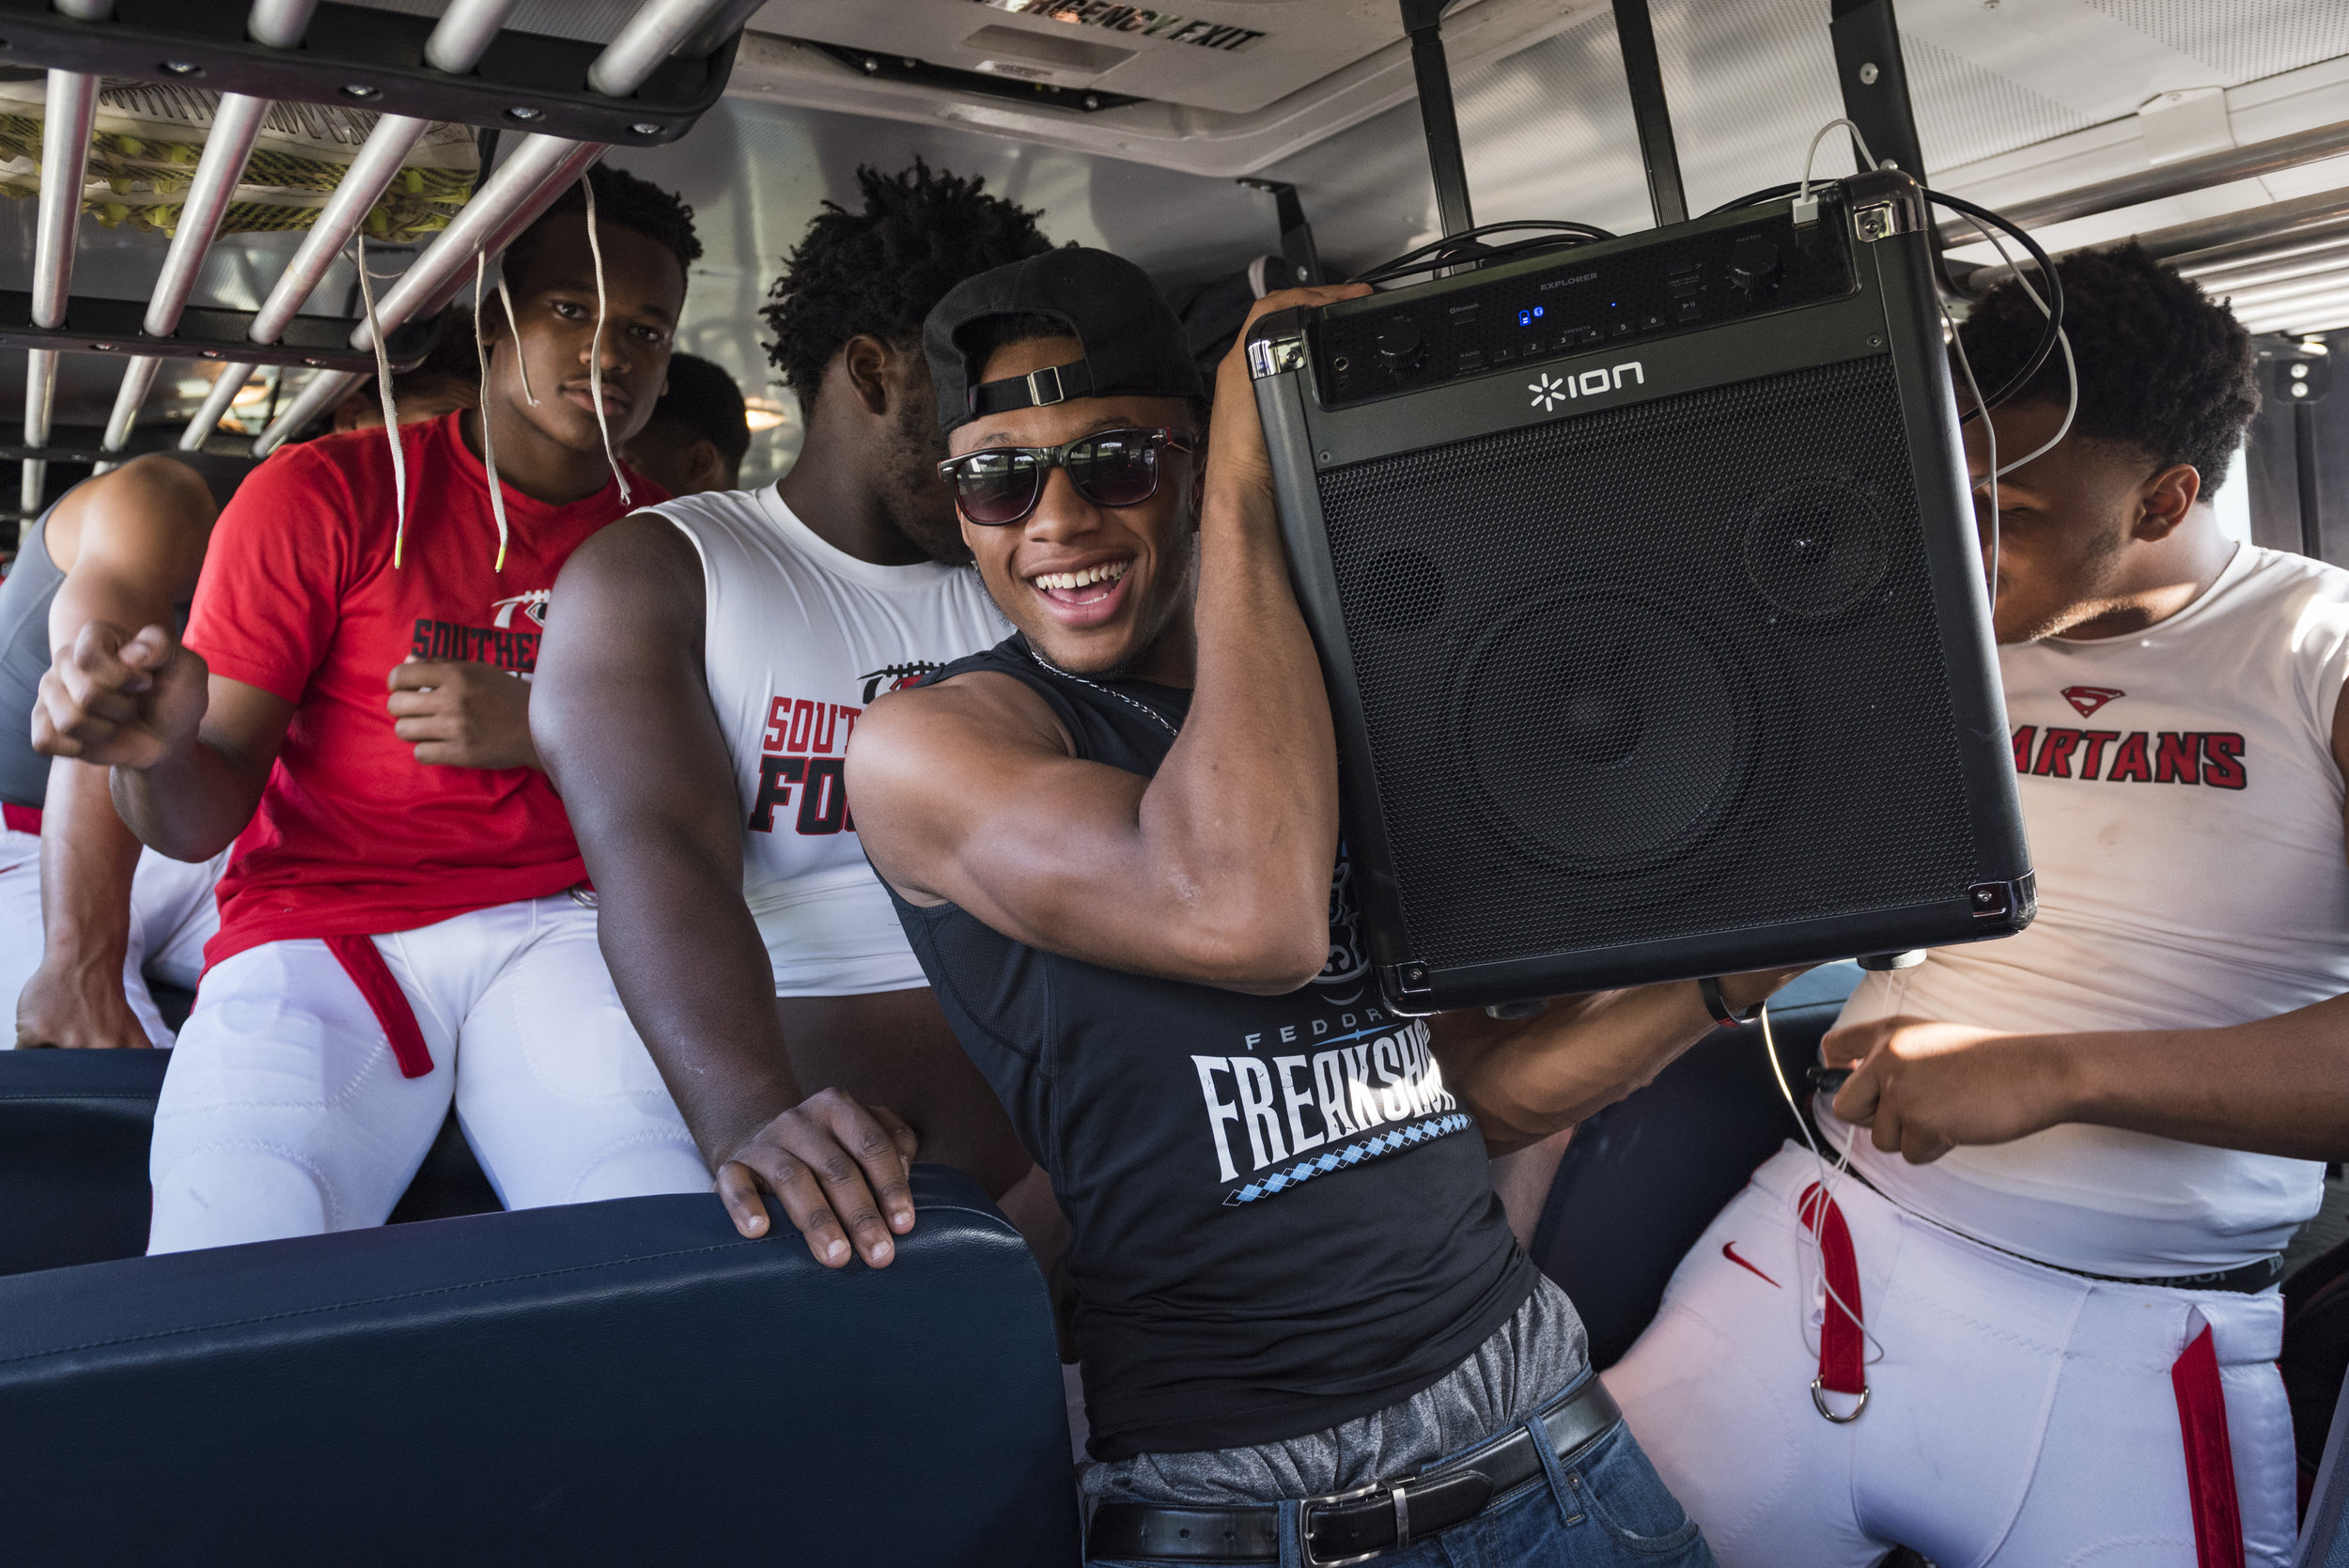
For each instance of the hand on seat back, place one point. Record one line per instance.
(832, 1163)
(460, 713)
(78, 1007)
(119, 700)
(1923, 1088)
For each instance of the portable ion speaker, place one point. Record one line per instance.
(1646, 583)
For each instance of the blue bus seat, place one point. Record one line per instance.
(73, 1132)
(627, 1382)
(1642, 1179)
(2325, 1515)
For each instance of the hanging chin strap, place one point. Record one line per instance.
(594, 354)
(391, 410)
(482, 352)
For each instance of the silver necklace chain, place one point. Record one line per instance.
(1047, 664)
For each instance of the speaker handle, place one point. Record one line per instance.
(1881, 963)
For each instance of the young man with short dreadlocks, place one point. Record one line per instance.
(695, 703)
(2078, 1152)
(404, 917)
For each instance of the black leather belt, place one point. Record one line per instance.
(1367, 1522)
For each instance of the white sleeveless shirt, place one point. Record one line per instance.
(2184, 810)
(800, 637)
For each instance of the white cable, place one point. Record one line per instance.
(594, 354)
(1828, 1180)
(489, 447)
(391, 412)
(1867, 159)
(2063, 341)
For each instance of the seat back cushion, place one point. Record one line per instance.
(623, 1382)
(1642, 1179)
(74, 1133)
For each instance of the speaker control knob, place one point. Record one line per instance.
(1752, 262)
(1399, 342)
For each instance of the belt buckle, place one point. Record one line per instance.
(1305, 1524)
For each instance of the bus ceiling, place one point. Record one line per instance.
(2219, 134)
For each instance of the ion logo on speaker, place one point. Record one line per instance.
(1817, 548)
(1550, 391)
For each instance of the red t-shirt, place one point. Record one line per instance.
(299, 597)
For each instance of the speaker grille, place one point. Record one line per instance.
(1653, 671)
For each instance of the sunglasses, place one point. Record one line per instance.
(1001, 485)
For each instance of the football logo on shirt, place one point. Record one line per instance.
(2088, 699)
(896, 677)
(532, 604)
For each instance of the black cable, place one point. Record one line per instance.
(1452, 250)
(1754, 198)
(2053, 285)
(1465, 249)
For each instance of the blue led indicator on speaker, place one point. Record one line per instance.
(1525, 318)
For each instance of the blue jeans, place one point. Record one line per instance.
(1605, 1508)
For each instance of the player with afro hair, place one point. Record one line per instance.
(2086, 1145)
(2166, 389)
(2162, 365)
(748, 934)
(876, 272)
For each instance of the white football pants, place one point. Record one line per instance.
(172, 917)
(285, 1113)
(2016, 1415)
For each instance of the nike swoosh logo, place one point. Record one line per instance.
(1729, 1250)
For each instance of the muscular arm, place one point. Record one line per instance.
(131, 544)
(622, 720)
(1525, 1078)
(2275, 1086)
(1216, 869)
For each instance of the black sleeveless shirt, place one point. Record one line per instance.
(1282, 1220)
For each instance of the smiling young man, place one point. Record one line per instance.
(1113, 843)
(404, 918)
(2079, 1150)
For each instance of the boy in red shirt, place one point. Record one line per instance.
(404, 895)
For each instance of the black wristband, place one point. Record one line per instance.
(1715, 1003)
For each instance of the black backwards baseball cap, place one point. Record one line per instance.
(1132, 343)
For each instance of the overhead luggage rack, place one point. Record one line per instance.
(665, 69)
(648, 85)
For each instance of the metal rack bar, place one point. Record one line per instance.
(2303, 218)
(1875, 81)
(524, 186)
(651, 37)
(1645, 75)
(227, 146)
(67, 112)
(711, 36)
(361, 53)
(2222, 167)
(527, 183)
(1423, 20)
(1297, 235)
(457, 44)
